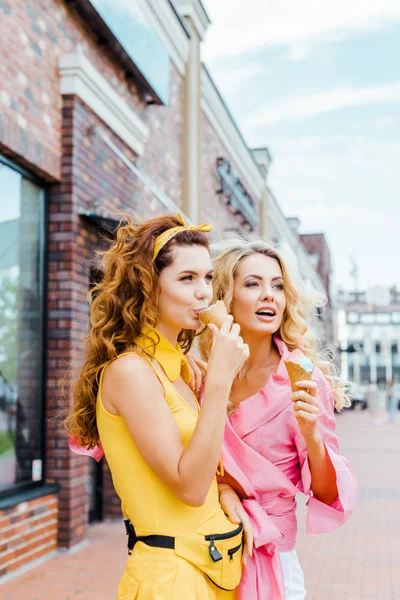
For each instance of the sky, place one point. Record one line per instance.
(318, 83)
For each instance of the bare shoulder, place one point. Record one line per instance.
(128, 364)
(132, 372)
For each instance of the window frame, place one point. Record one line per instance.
(18, 488)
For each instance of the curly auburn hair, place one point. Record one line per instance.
(295, 329)
(122, 304)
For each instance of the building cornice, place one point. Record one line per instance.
(195, 11)
(79, 77)
(222, 121)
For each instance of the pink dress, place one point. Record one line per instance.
(265, 453)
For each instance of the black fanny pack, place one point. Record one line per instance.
(217, 555)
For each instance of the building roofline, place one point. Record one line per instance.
(232, 119)
(180, 18)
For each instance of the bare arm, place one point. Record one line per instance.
(136, 394)
(323, 474)
(232, 507)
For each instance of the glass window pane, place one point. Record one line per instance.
(367, 318)
(21, 319)
(352, 317)
(383, 318)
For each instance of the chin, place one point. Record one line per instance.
(266, 329)
(193, 325)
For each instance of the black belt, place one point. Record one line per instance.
(155, 540)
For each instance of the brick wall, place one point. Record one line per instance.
(214, 208)
(33, 35)
(92, 176)
(28, 532)
(315, 243)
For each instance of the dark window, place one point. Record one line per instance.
(22, 207)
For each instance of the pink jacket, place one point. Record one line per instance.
(266, 454)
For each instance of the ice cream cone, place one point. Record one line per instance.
(215, 314)
(297, 372)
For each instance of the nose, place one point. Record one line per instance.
(203, 291)
(268, 294)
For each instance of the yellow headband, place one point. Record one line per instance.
(167, 235)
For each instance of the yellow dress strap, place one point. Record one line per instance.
(160, 374)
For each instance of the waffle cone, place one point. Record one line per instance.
(215, 314)
(297, 373)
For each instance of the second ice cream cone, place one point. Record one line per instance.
(297, 373)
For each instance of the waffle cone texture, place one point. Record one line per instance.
(297, 373)
(215, 314)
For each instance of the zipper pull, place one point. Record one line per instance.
(214, 552)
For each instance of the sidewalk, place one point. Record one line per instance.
(360, 561)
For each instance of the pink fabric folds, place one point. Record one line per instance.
(265, 453)
(97, 452)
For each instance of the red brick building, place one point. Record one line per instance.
(319, 253)
(317, 247)
(90, 126)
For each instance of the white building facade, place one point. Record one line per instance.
(369, 335)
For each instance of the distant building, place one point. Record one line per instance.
(369, 334)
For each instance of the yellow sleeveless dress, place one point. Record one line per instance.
(158, 573)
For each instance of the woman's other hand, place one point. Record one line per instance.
(198, 370)
(233, 508)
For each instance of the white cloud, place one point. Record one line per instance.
(299, 146)
(303, 166)
(298, 52)
(230, 80)
(323, 102)
(385, 121)
(312, 168)
(248, 25)
(342, 212)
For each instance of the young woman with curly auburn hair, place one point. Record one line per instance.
(279, 435)
(133, 398)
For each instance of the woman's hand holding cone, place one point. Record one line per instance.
(306, 409)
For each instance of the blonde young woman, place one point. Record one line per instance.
(133, 398)
(276, 441)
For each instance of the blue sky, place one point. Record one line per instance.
(319, 84)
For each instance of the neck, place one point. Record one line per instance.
(262, 351)
(168, 331)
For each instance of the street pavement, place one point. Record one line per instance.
(359, 561)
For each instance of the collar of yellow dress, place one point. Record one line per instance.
(171, 358)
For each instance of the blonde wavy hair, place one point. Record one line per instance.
(301, 306)
(121, 305)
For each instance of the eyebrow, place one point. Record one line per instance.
(261, 278)
(194, 272)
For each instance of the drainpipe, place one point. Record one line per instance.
(263, 158)
(197, 21)
(192, 134)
